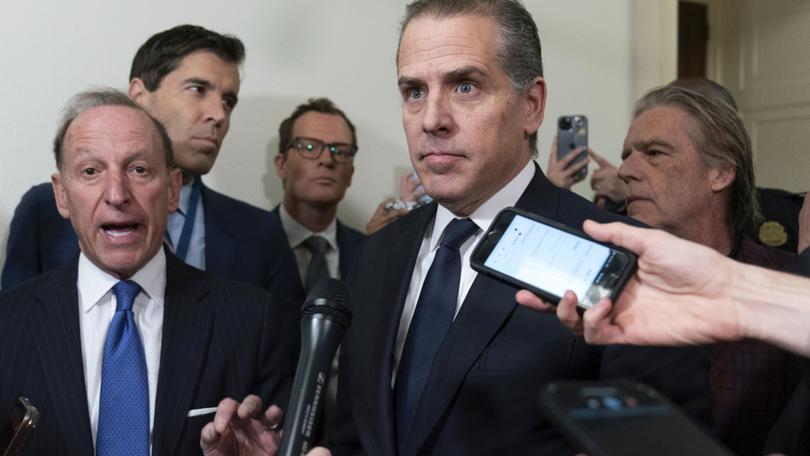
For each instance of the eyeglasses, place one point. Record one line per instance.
(311, 149)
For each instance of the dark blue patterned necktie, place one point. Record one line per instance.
(123, 412)
(431, 320)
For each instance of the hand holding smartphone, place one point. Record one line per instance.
(548, 258)
(572, 134)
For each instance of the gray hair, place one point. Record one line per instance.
(721, 140)
(94, 98)
(518, 51)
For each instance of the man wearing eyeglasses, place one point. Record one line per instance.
(317, 145)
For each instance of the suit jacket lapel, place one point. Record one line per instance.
(487, 305)
(541, 196)
(54, 324)
(347, 251)
(386, 311)
(220, 241)
(187, 325)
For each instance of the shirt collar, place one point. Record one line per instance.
(94, 283)
(298, 233)
(485, 214)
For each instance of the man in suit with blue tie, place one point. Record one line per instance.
(440, 360)
(124, 347)
(187, 77)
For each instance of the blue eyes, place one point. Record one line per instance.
(417, 93)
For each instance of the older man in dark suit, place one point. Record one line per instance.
(124, 347)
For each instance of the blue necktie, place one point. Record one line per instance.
(123, 413)
(431, 322)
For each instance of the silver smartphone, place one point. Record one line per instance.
(572, 133)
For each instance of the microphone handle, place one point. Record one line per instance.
(320, 338)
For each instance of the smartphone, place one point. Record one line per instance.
(572, 133)
(21, 419)
(547, 258)
(623, 418)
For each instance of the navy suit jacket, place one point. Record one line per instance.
(239, 243)
(220, 339)
(481, 396)
(348, 240)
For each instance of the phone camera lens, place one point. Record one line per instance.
(580, 122)
(564, 123)
(612, 403)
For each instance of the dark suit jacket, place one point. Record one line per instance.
(791, 432)
(239, 243)
(481, 397)
(751, 380)
(348, 240)
(220, 339)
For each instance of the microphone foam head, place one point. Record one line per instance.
(330, 298)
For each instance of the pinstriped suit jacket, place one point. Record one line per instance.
(220, 339)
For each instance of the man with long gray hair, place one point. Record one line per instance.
(688, 167)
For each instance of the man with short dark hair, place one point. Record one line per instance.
(187, 77)
(124, 347)
(440, 360)
(315, 162)
(451, 352)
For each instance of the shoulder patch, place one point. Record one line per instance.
(773, 234)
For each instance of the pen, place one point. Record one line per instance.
(202, 411)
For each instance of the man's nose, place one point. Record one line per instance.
(117, 193)
(325, 158)
(629, 169)
(216, 110)
(437, 119)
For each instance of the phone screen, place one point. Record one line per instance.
(548, 258)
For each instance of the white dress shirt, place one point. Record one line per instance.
(196, 246)
(298, 233)
(96, 308)
(483, 217)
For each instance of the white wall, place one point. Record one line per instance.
(50, 50)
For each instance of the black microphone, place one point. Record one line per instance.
(324, 318)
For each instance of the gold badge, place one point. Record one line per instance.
(773, 234)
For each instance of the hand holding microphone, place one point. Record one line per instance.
(242, 428)
(324, 319)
